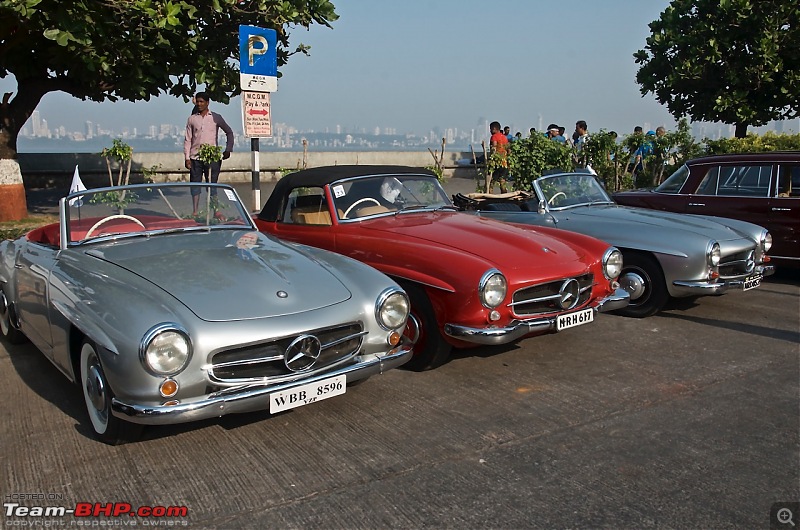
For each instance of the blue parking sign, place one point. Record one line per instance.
(258, 54)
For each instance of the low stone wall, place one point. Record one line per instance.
(47, 169)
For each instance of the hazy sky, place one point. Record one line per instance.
(418, 64)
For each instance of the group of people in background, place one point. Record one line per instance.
(554, 132)
(501, 138)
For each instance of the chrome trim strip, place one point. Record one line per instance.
(700, 287)
(544, 298)
(248, 398)
(210, 368)
(245, 362)
(236, 382)
(344, 339)
(520, 328)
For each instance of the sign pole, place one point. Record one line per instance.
(258, 77)
(255, 175)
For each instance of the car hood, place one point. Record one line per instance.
(603, 220)
(508, 247)
(225, 275)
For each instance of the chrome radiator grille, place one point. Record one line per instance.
(552, 297)
(268, 360)
(737, 265)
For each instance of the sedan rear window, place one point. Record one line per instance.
(737, 181)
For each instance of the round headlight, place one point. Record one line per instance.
(493, 288)
(766, 241)
(612, 263)
(166, 350)
(713, 253)
(392, 309)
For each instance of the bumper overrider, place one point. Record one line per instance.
(251, 397)
(701, 287)
(520, 328)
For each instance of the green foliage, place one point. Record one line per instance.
(149, 173)
(209, 153)
(122, 154)
(613, 158)
(680, 146)
(754, 144)
(437, 170)
(732, 61)
(15, 229)
(136, 49)
(117, 200)
(286, 170)
(530, 157)
(119, 151)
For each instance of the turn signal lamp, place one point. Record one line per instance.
(168, 388)
(394, 338)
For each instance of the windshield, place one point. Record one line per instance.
(386, 194)
(146, 209)
(570, 189)
(675, 181)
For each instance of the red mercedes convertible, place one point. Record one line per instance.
(471, 281)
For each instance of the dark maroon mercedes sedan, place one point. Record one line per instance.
(762, 188)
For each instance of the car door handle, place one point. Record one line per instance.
(18, 266)
(781, 209)
(697, 204)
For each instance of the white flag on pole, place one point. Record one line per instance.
(77, 185)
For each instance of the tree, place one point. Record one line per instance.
(732, 61)
(133, 49)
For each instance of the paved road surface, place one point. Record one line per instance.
(688, 419)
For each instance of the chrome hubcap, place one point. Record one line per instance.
(634, 283)
(95, 388)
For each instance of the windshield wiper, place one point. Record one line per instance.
(412, 207)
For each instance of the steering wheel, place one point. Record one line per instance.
(111, 217)
(556, 195)
(359, 201)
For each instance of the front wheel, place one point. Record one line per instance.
(430, 348)
(97, 394)
(643, 278)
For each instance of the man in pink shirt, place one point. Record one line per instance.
(203, 127)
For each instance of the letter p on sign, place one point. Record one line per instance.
(256, 45)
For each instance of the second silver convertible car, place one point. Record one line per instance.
(166, 315)
(664, 254)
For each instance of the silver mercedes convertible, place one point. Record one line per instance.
(664, 254)
(166, 305)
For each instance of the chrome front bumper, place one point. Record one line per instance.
(521, 328)
(250, 397)
(705, 288)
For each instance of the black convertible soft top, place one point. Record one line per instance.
(320, 176)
